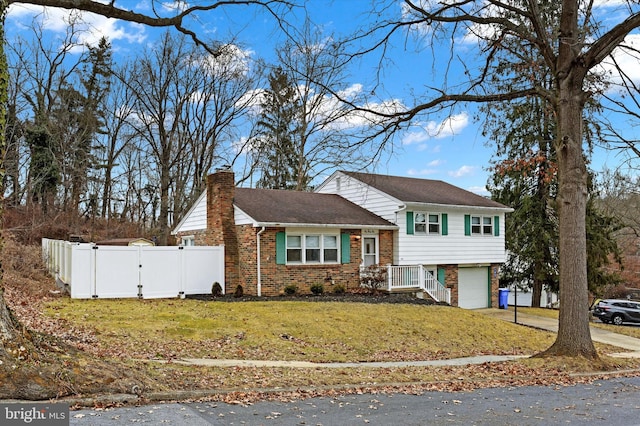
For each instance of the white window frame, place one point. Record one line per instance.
(304, 248)
(437, 223)
(419, 223)
(188, 241)
(483, 225)
(425, 225)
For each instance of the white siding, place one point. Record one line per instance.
(363, 195)
(455, 248)
(241, 218)
(196, 217)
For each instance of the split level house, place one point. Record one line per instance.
(430, 237)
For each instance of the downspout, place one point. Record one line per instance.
(258, 260)
(402, 207)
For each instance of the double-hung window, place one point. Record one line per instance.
(312, 248)
(482, 225)
(422, 223)
(434, 223)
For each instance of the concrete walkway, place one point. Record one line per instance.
(551, 324)
(306, 364)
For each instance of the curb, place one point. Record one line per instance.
(194, 395)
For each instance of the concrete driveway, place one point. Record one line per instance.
(551, 324)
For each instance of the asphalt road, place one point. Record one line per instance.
(612, 402)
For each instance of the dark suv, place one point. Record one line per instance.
(617, 311)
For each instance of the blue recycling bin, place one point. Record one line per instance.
(503, 298)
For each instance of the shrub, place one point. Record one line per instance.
(317, 288)
(374, 278)
(216, 289)
(291, 289)
(339, 289)
(619, 291)
(239, 291)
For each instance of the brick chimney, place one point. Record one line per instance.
(221, 224)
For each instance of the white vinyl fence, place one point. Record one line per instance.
(92, 271)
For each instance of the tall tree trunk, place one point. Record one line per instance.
(537, 291)
(163, 223)
(574, 334)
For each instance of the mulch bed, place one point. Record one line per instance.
(349, 297)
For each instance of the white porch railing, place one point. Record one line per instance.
(416, 276)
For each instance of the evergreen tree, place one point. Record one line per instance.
(44, 173)
(278, 135)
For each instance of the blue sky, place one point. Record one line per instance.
(443, 147)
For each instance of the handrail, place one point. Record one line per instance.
(417, 276)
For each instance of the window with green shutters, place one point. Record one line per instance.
(424, 223)
(310, 248)
(481, 225)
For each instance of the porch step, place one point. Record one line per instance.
(405, 290)
(415, 291)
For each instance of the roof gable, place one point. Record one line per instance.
(427, 191)
(271, 206)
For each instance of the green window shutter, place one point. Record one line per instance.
(409, 223)
(445, 224)
(496, 226)
(345, 248)
(281, 248)
(441, 275)
(467, 224)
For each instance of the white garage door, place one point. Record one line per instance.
(473, 288)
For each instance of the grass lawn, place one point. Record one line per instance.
(293, 330)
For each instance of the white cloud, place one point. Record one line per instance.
(411, 138)
(628, 61)
(421, 172)
(92, 27)
(480, 190)
(450, 126)
(462, 171)
(432, 168)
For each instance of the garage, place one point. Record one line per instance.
(473, 288)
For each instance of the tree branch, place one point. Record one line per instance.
(109, 10)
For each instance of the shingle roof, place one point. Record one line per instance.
(299, 208)
(413, 190)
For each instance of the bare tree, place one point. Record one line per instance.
(117, 137)
(224, 91)
(322, 135)
(570, 49)
(43, 68)
(186, 105)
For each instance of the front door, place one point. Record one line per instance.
(369, 251)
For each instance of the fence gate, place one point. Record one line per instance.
(93, 271)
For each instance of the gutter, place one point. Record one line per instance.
(258, 260)
(323, 225)
(460, 207)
